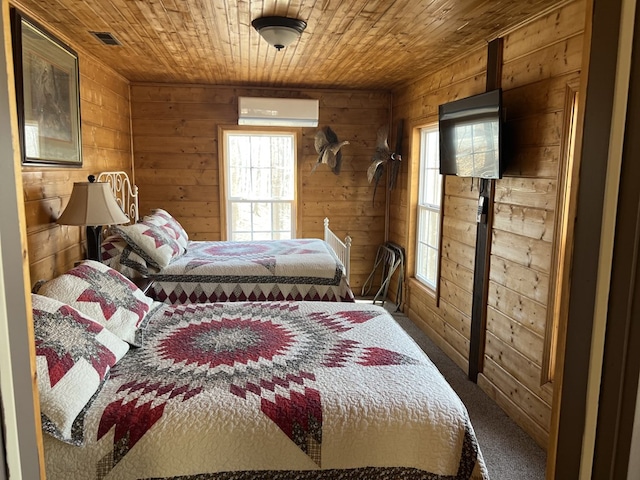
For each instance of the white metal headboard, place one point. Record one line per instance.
(126, 194)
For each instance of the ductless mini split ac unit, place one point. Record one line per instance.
(280, 112)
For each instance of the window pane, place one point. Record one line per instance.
(281, 236)
(428, 212)
(432, 265)
(422, 264)
(282, 217)
(261, 217)
(423, 224)
(240, 217)
(432, 183)
(241, 237)
(433, 229)
(260, 185)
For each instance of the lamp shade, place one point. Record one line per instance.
(279, 31)
(92, 204)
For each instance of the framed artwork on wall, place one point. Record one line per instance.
(47, 96)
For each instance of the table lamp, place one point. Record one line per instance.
(92, 204)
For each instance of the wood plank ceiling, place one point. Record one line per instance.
(358, 44)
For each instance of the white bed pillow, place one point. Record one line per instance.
(164, 219)
(156, 244)
(74, 355)
(119, 255)
(104, 295)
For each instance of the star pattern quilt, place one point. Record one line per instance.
(298, 269)
(289, 390)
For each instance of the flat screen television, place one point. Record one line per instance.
(471, 136)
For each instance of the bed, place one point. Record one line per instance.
(238, 390)
(184, 271)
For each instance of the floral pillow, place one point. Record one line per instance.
(74, 355)
(164, 219)
(156, 244)
(104, 295)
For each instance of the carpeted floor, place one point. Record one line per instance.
(508, 451)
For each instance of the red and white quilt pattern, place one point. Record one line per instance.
(73, 356)
(165, 219)
(104, 295)
(298, 269)
(156, 244)
(272, 386)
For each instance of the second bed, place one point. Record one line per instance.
(182, 271)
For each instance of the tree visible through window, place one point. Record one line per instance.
(260, 186)
(429, 199)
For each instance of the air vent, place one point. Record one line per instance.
(106, 38)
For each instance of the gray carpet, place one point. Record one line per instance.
(508, 451)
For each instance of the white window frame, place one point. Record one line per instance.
(428, 235)
(229, 201)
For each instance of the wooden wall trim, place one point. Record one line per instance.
(578, 371)
(18, 383)
(621, 361)
(133, 167)
(559, 276)
(279, 90)
(555, 7)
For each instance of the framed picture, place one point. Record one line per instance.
(48, 96)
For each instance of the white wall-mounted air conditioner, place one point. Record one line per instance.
(281, 112)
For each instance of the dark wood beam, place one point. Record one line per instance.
(483, 235)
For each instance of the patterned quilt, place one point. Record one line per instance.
(264, 390)
(299, 269)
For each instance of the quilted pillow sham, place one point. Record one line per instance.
(119, 255)
(74, 355)
(156, 244)
(164, 219)
(104, 295)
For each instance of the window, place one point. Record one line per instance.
(429, 199)
(260, 185)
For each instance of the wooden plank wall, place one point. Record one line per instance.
(540, 59)
(106, 145)
(418, 104)
(174, 131)
(175, 142)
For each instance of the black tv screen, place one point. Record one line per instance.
(471, 136)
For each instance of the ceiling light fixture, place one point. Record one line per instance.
(279, 31)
